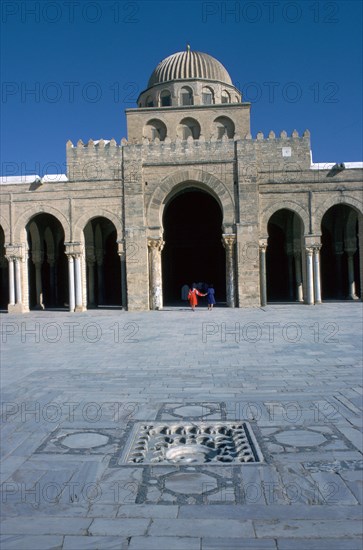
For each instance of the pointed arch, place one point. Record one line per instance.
(6, 229)
(288, 205)
(335, 200)
(189, 178)
(97, 212)
(25, 217)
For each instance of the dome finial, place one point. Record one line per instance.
(188, 47)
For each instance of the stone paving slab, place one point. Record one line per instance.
(164, 543)
(31, 542)
(71, 397)
(216, 528)
(305, 528)
(233, 544)
(95, 543)
(45, 526)
(319, 544)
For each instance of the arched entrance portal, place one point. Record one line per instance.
(284, 258)
(193, 250)
(340, 253)
(103, 264)
(4, 278)
(47, 263)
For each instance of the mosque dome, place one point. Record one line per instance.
(189, 65)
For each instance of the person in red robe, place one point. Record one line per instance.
(192, 297)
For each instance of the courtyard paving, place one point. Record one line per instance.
(75, 387)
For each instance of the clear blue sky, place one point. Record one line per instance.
(70, 69)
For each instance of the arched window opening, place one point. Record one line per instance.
(186, 96)
(149, 101)
(225, 97)
(155, 129)
(188, 127)
(224, 126)
(207, 96)
(165, 98)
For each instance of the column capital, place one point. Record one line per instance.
(155, 243)
(316, 247)
(120, 247)
(228, 240)
(309, 250)
(262, 243)
(13, 251)
(71, 249)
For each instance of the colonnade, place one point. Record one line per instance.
(86, 265)
(312, 270)
(313, 290)
(15, 268)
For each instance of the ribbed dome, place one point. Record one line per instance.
(188, 64)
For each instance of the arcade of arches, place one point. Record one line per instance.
(325, 270)
(55, 274)
(52, 274)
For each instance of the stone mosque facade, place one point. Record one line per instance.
(189, 196)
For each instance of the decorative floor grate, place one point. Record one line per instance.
(219, 443)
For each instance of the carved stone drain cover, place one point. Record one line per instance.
(219, 443)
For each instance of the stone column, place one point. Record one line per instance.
(228, 241)
(317, 283)
(309, 276)
(18, 292)
(72, 300)
(14, 254)
(91, 282)
(37, 257)
(78, 282)
(298, 277)
(99, 260)
(11, 281)
(290, 269)
(156, 292)
(4, 266)
(121, 253)
(339, 251)
(351, 279)
(263, 284)
(52, 277)
(74, 251)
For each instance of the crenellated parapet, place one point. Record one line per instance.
(273, 153)
(106, 160)
(98, 160)
(190, 149)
